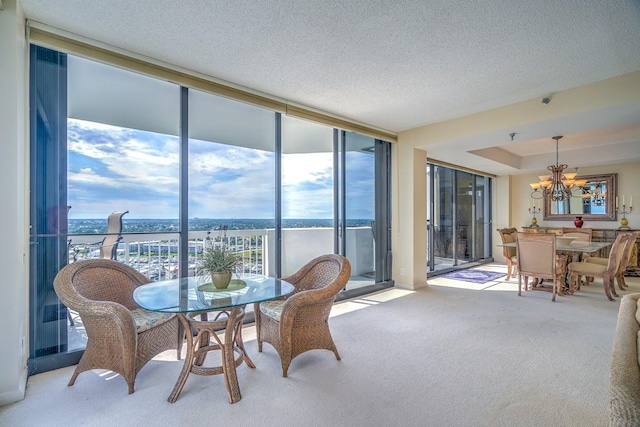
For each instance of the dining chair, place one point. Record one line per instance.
(626, 256)
(537, 258)
(581, 234)
(606, 272)
(121, 336)
(508, 235)
(300, 321)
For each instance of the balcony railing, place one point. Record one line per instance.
(156, 254)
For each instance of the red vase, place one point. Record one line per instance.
(578, 222)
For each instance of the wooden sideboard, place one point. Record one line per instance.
(599, 235)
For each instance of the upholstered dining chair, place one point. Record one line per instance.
(537, 258)
(121, 336)
(581, 234)
(626, 256)
(300, 322)
(508, 235)
(606, 272)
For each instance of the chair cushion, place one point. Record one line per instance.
(145, 319)
(596, 260)
(585, 268)
(272, 309)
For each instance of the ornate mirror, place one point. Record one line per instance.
(595, 201)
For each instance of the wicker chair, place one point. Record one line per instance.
(121, 336)
(299, 322)
(508, 235)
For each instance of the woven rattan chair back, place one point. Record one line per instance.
(299, 323)
(101, 292)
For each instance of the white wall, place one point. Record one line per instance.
(13, 223)
(301, 245)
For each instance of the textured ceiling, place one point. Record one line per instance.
(391, 64)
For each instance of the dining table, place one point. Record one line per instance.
(576, 249)
(212, 319)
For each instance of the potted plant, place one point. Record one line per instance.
(220, 262)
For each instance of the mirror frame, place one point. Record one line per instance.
(610, 180)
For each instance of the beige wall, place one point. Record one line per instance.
(409, 217)
(627, 184)
(412, 149)
(13, 224)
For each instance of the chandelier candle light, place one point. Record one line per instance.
(534, 209)
(624, 224)
(558, 185)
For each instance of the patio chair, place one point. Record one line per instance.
(121, 336)
(606, 272)
(537, 258)
(300, 322)
(109, 245)
(508, 235)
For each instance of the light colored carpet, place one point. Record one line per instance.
(454, 354)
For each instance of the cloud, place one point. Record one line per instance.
(111, 168)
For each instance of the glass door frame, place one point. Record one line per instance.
(432, 192)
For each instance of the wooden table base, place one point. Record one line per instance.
(199, 346)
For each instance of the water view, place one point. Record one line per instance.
(129, 225)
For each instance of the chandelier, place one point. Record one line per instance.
(557, 186)
(595, 196)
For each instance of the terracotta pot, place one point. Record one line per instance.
(578, 222)
(220, 279)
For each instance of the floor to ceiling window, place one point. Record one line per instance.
(307, 192)
(187, 167)
(231, 174)
(358, 237)
(458, 218)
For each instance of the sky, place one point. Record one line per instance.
(114, 169)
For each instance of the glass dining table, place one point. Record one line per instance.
(216, 317)
(575, 248)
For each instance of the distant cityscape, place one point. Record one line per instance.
(132, 225)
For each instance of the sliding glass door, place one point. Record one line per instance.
(357, 232)
(458, 218)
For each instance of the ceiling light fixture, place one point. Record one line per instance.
(558, 185)
(597, 193)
